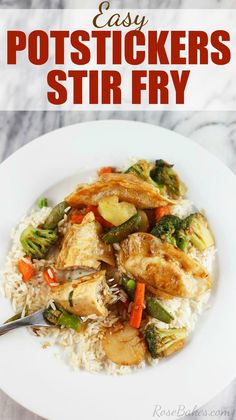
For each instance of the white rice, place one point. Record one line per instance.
(183, 208)
(84, 349)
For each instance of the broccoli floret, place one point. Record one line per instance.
(193, 230)
(167, 179)
(161, 175)
(196, 228)
(164, 342)
(183, 243)
(182, 240)
(36, 242)
(167, 228)
(143, 169)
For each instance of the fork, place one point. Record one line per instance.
(35, 320)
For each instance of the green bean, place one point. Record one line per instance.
(42, 202)
(17, 316)
(156, 310)
(60, 317)
(117, 234)
(13, 318)
(55, 216)
(182, 243)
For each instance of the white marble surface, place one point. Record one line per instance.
(214, 130)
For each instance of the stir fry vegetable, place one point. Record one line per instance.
(76, 218)
(161, 175)
(114, 211)
(138, 306)
(26, 269)
(193, 230)
(182, 240)
(167, 229)
(117, 234)
(196, 229)
(142, 169)
(123, 345)
(105, 170)
(144, 224)
(17, 316)
(167, 180)
(98, 217)
(164, 342)
(161, 212)
(55, 216)
(156, 310)
(13, 318)
(36, 241)
(60, 317)
(129, 286)
(42, 202)
(50, 277)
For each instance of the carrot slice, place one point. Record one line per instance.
(26, 269)
(105, 170)
(50, 277)
(137, 307)
(76, 218)
(161, 211)
(93, 209)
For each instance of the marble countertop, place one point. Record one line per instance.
(214, 130)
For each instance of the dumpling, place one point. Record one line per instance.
(127, 187)
(82, 246)
(84, 296)
(166, 270)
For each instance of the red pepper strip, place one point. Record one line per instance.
(98, 217)
(76, 218)
(26, 269)
(50, 277)
(161, 211)
(105, 170)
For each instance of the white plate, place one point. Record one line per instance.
(44, 384)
